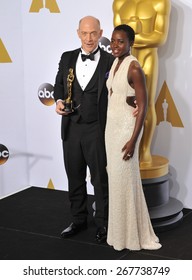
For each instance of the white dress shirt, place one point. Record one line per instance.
(86, 69)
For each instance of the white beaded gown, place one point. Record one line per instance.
(129, 225)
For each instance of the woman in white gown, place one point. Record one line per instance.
(129, 225)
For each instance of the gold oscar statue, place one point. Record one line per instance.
(68, 103)
(150, 21)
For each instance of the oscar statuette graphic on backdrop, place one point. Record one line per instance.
(150, 21)
(37, 5)
(166, 109)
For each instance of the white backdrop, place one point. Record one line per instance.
(35, 40)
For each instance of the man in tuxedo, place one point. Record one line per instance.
(83, 130)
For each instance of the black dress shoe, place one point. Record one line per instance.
(101, 235)
(73, 229)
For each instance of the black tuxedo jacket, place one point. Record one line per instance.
(68, 60)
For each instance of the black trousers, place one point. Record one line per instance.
(84, 147)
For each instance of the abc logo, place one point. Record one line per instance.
(104, 44)
(45, 94)
(4, 154)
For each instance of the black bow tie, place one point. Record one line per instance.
(90, 56)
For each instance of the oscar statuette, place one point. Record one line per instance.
(68, 103)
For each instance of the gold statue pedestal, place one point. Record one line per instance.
(165, 212)
(158, 168)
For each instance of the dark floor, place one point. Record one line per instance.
(31, 222)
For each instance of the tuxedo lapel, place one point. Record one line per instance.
(71, 63)
(73, 59)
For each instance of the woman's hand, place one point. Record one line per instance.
(128, 150)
